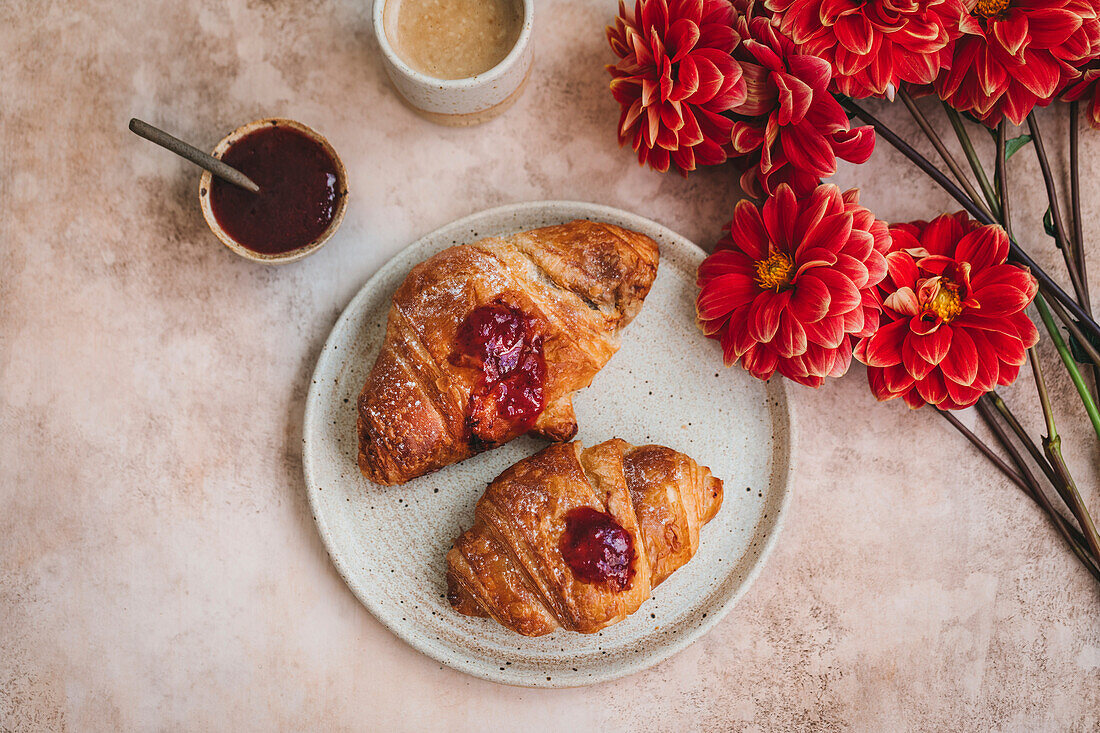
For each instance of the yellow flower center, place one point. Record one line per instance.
(945, 303)
(774, 272)
(990, 8)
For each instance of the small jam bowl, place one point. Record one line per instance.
(459, 102)
(295, 254)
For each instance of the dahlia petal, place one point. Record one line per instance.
(709, 152)
(960, 396)
(807, 149)
(1001, 299)
(842, 358)
(934, 345)
(1028, 334)
(988, 364)
(913, 399)
(681, 37)
(855, 320)
(780, 212)
(901, 268)
(855, 145)
(961, 363)
(854, 269)
(764, 315)
(721, 295)
(1039, 75)
(1009, 349)
(903, 301)
(897, 378)
(854, 33)
(913, 362)
(845, 294)
(1051, 27)
(1011, 32)
(747, 230)
(884, 348)
(811, 299)
(1007, 375)
(827, 333)
(983, 247)
(830, 232)
(687, 78)
(932, 389)
(877, 385)
(760, 361)
(812, 70)
(1009, 275)
(795, 97)
(746, 138)
(790, 339)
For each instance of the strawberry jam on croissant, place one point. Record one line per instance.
(597, 548)
(503, 342)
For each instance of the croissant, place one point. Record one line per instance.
(577, 538)
(487, 341)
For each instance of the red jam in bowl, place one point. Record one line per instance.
(504, 343)
(298, 195)
(597, 548)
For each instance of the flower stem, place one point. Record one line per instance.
(1000, 176)
(1070, 324)
(1072, 536)
(1052, 447)
(1078, 234)
(1025, 439)
(1068, 247)
(1017, 254)
(1070, 364)
(1061, 481)
(972, 157)
(1075, 195)
(985, 450)
(937, 143)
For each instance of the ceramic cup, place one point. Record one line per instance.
(458, 102)
(294, 254)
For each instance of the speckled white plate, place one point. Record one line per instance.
(666, 385)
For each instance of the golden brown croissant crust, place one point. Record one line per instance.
(487, 341)
(577, 538)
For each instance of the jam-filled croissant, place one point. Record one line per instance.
(577, 538)
(487, 341)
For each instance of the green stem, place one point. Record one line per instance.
(937, 143)
(1070, 364)
(1052, 443)
(1071, 326)
(972, 158)
(1073, 537)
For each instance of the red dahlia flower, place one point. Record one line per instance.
(874, 45)
(675, 79)
(1016, 54)
(954, 325)
(789, 118)
(1088, 88)
(793, 282)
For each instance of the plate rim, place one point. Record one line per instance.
(774, 388)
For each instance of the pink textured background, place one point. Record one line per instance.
(158, 565)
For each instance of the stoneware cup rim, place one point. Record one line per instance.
(515, 54)
(294, 254)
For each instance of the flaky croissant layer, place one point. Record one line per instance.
(577, 538)
(487, 341)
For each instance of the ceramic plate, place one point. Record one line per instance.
(666, 385)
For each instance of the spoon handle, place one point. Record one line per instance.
(193, 154)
